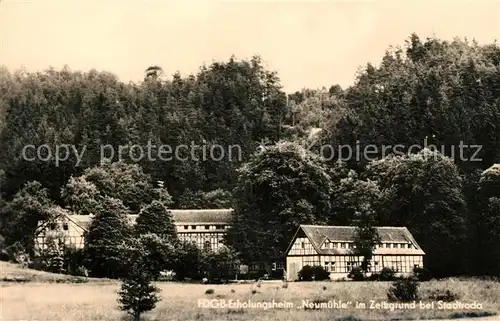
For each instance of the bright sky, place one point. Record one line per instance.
(310, 43)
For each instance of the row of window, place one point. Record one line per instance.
(343, 264)
(344, 245)
(212, 243)
(53, 226)
(206, 227)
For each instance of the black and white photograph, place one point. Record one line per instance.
(244, 160)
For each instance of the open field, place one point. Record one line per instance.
(39, 300)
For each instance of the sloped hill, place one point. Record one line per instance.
(10, 272)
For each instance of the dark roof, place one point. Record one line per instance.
(202, 216)
(181, 217)
(318, 234)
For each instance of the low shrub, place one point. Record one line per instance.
(446, 296)
(209, 291)
(387, 274)
(468, 315)
(404, 290)
(356, 274)
(422, 274)
(348, 318)
(313, 273)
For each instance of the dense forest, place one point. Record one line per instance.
(444, 93)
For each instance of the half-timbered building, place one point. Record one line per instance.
(205, 227)
(332, 247)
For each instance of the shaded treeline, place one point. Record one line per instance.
(445, 93)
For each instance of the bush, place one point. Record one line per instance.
(74, 261)
(159, 253)
(387, 274)
(422, 274)
(256, 274)
(356, 274)
(405, 290)
(188, 262)
(313, 273)
(220, 266)
(446, 296)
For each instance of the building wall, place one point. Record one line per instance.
(293, 266)
(339, 266)
(61, 229)
(302, 246)
(204, 235)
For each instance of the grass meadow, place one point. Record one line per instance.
(41, 298)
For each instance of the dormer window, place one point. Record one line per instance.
(65, 226)
(53, 226)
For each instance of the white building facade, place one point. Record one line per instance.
(332, 248)
(205, 227)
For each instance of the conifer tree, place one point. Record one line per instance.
(157, 219)
(138, 294)
(106, 238)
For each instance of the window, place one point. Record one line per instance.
(193, 227)
(335, 245)
(387, 245)
(207, 227)
(53, 226)
(186, 227)
(393, 245)
(206, 246)
(409, 245)
(351, 246)
(342, 245)
(65, 226)
(330, 266)
(220, 227)
(397, 266)
(302, 245)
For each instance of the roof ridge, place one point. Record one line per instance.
(352, 226)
